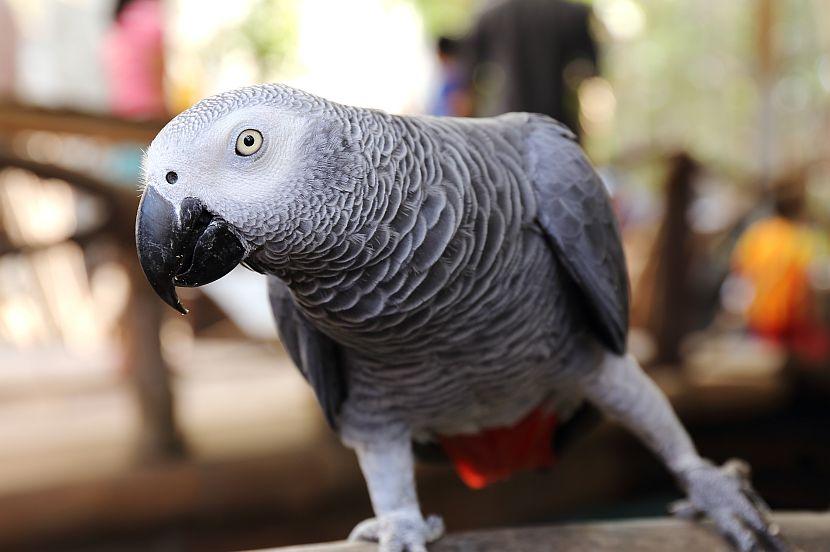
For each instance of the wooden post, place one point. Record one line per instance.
(144, 362)
(147, 370)
(664, 286)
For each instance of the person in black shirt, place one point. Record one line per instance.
(530, 55)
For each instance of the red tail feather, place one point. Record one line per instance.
(494, 454)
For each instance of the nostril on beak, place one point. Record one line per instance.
(171, 177)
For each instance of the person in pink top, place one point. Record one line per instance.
(134, 59)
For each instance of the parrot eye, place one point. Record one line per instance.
(248, 142)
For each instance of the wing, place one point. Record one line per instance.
(575, 214)
(316, 356)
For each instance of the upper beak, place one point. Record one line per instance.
(187, 246)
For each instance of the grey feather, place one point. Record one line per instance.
(315, 355)
(575, 213)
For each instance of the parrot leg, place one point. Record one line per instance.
(389, 470)
(620, 388)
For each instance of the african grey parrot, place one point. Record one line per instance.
(446, 280)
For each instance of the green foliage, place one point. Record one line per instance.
(690, 79)
(268, 33)
(446, 17)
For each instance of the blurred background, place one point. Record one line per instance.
(125, 426)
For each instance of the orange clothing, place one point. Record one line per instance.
(774, 255)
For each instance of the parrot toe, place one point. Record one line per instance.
(367, 530)
(399, 532)
(725, 496)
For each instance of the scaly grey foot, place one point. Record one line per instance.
(725, 496)
(400, 531)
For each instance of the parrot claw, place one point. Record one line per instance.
(399, 532)
(725, 496)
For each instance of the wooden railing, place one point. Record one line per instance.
(15, 117)
(143, 360)
(808, 532)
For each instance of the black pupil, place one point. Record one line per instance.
(171, 177)
(248, 140)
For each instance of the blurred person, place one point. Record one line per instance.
(452, 98)
(134, 59)
(8, 50)
(773, 259)
(530, 55)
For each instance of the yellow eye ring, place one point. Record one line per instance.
(248, 142)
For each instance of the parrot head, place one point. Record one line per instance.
(265, 167)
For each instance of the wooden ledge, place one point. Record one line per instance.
(809, 532)
(17, 117)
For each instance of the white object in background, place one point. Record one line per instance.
(59, 52)
(243, 296)
(340, 57)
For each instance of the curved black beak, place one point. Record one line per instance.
(189, 247)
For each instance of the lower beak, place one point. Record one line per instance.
(186, 247)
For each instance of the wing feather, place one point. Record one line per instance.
(315, 355)
(575, 214)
